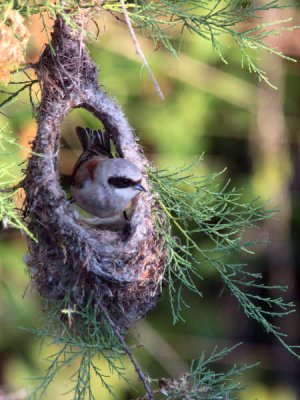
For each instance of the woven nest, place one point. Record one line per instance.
(70, 256)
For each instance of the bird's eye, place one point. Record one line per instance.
(120, 182)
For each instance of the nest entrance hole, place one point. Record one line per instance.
(70, 151)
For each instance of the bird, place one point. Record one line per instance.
(101, 184)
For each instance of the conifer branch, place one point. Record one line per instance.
(197, 205)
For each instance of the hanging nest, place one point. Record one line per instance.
(70, 256)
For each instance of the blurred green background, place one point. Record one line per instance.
(238, 123)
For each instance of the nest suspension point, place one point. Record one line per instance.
(70, 256)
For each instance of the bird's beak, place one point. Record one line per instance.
(140, 187)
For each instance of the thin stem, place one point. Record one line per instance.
(129, 353)
(23, 69)
(15, 94)
(139, 50)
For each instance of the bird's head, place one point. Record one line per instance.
(121, 177)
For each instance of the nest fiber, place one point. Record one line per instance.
(70, 256)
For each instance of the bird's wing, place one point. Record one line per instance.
(94, 141)
(96, 145)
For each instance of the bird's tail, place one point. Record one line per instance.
(94, 140)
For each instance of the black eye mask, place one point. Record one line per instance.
(121, 182)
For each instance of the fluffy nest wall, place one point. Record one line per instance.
(69, 255)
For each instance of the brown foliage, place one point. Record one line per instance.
(14, 37)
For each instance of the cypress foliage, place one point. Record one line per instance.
(192, 205)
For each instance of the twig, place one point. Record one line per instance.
(20, 82)
(23, 69)
(116, 17)
(15, 94)
(139, 50)
(11, 189)
(129, 353)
